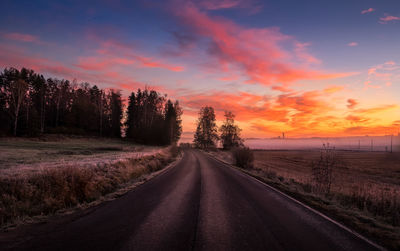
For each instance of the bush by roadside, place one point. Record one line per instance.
(50, 190)
(243, 157)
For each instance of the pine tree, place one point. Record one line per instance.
(116, 113)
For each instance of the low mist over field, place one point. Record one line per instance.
(361, 143)
(366, 143)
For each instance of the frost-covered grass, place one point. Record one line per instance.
(21, 155)
(43, 177)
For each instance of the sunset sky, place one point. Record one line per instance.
(307, 68)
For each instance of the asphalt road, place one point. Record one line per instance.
(198, 204)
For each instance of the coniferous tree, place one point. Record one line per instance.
(32, 105)
(177, 123)
(116, 113)
(151, 119)
(173, 128)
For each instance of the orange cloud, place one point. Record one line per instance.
(351, 103)
(311, 113)
(333, 89)
(295, 110)
(369, 130)
(356, 119)
(377, 109)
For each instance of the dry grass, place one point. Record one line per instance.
(365, 190)
(30, 155)
(50, 189)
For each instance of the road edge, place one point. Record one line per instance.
(81, 209)
(261, 181)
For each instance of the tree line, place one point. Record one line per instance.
(151, 119)
(206, 135)
(31, 105)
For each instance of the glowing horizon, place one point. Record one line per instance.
(309, 71)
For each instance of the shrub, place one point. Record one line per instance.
(174, 150)
(243, 157)
(322, 170)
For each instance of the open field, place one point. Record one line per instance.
(43, 177)
(20, 155)
(365, 192)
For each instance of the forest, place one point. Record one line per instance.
(31, 105)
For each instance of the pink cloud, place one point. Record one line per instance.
(21, 37)
(369, 10)
(301, 52)
(98, 63)
(352, 44)
(221, 4)
(111, 52)
(149, 62)
(382, 75)
(258, 53)
(229, 4)
(13, 56)
(387, 18)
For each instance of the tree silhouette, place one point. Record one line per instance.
(206, 131)
(116, 113)
(230, 133)
(32, 105)
(151, 119)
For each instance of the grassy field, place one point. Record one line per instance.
(40, 177)
(22, 155)
(365, 192)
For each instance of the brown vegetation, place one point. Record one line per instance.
(51, 189)
(243, 157)
(364, 192)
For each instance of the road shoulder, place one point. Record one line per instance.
(297, 198)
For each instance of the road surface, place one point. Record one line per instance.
(199, 204)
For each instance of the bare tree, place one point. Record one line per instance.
(323, 169)
(18, 90)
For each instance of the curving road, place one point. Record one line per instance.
(198, 204)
